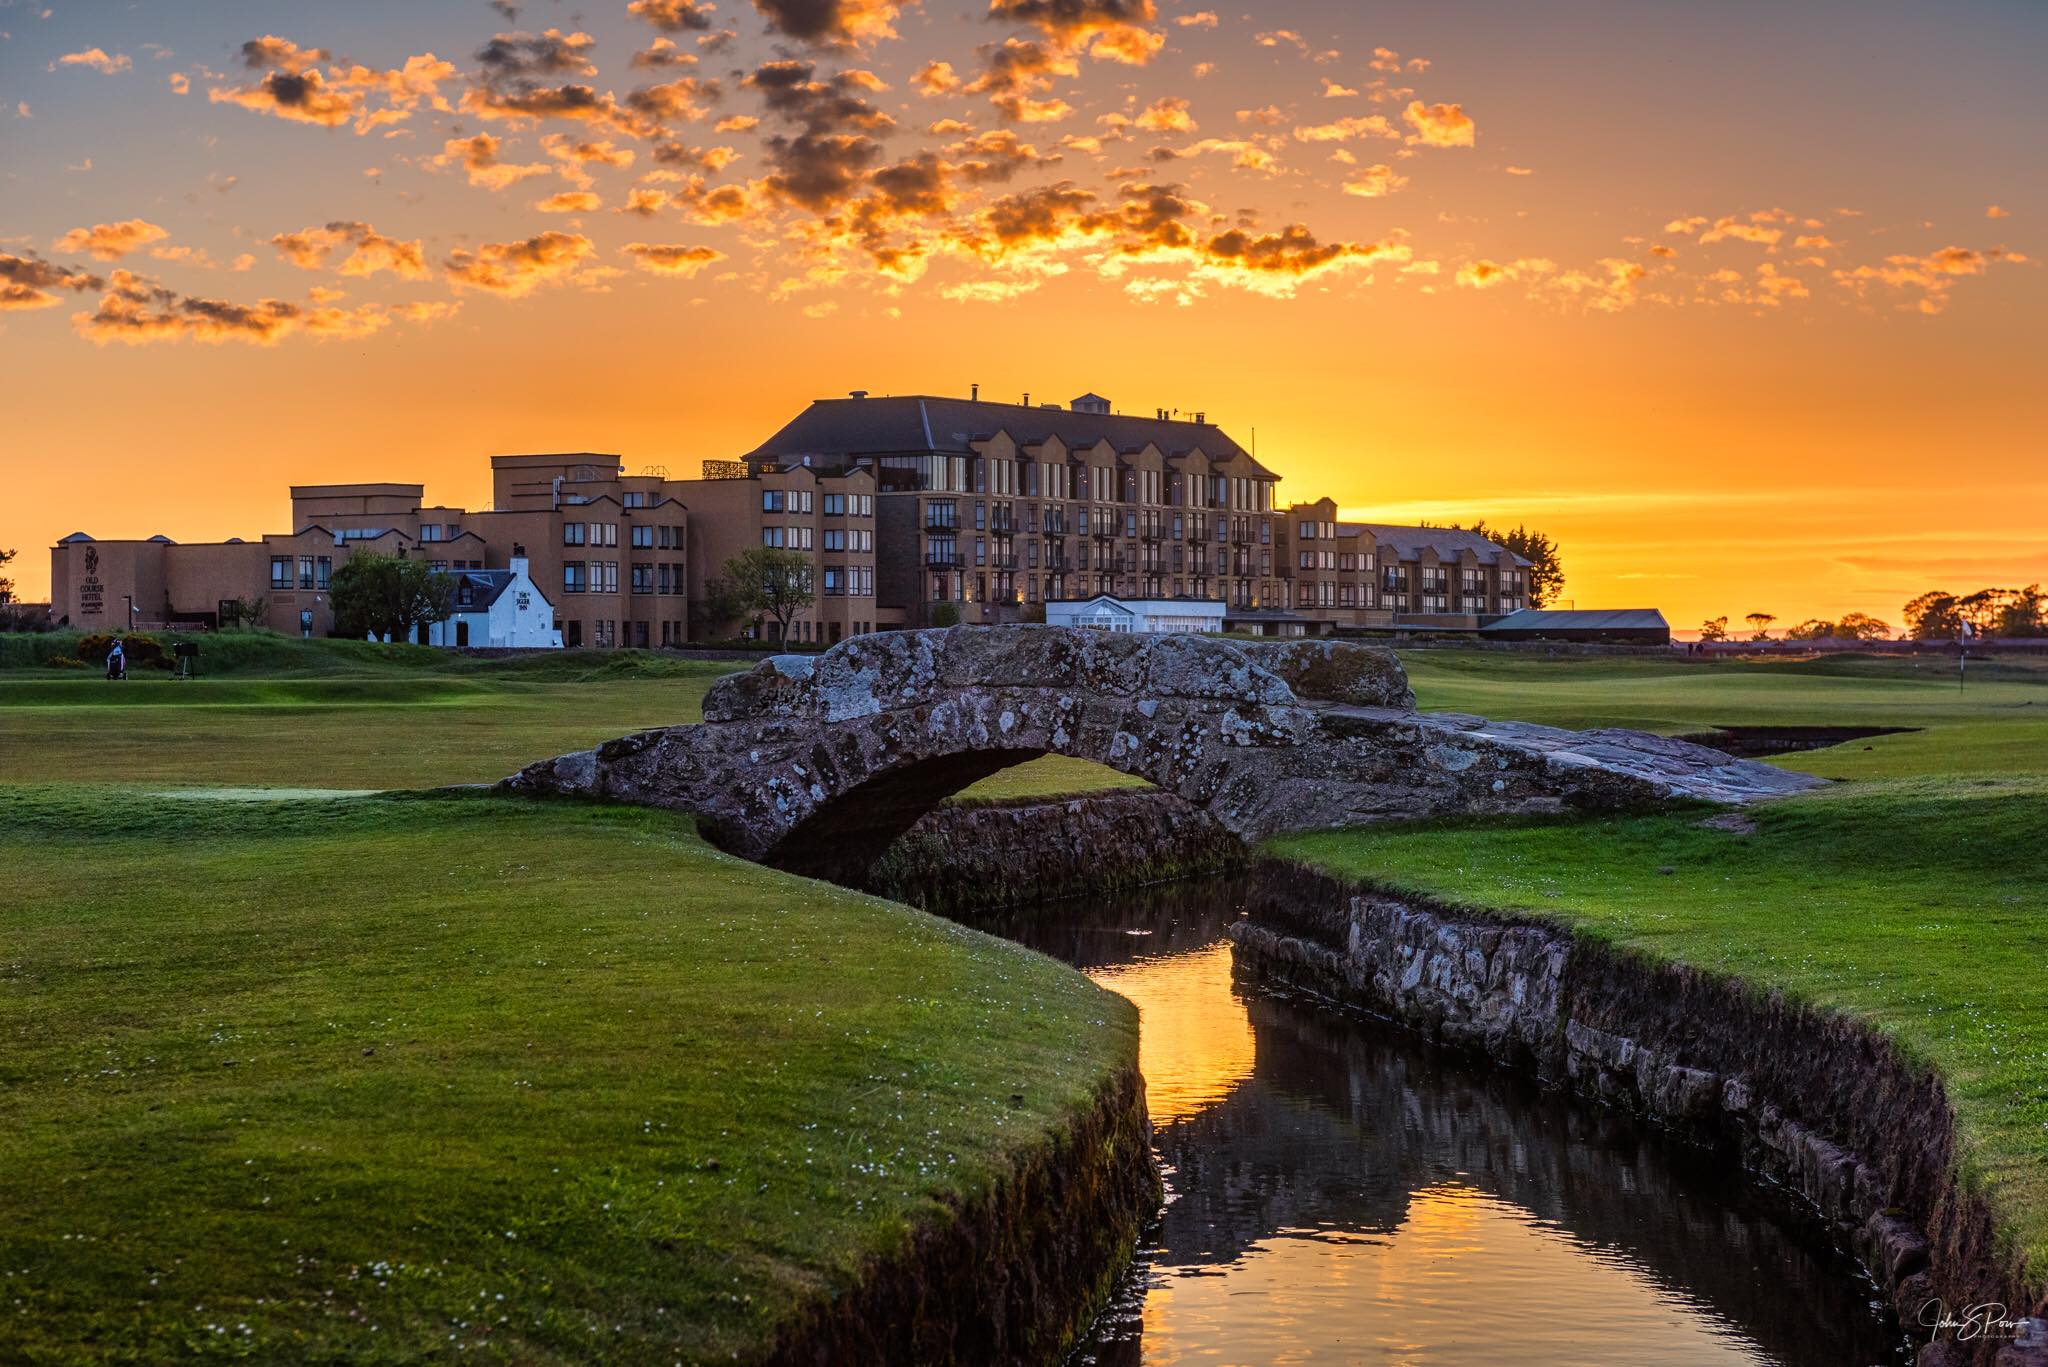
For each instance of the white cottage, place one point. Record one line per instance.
(1110, 613)
(498, 608)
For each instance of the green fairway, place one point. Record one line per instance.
(1914, 894)
(365, 1079)
(279, 712)
(1996, 724)
(298, 1075)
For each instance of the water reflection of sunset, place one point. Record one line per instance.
(1466, 1278)
(1194, 1038)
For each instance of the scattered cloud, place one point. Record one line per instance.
(28, 282)
(673, 16)
(294, 86)
(96, 59)
(672, 259)
(478, 156)
(831, 23)
(137, 310)
(111, 241)
(1439, 125)
(516, 269)
(369, 251)
(569, 202)
(1374, 182)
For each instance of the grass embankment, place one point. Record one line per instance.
(1914, 895)
(381, 1079)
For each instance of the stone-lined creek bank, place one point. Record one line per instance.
(1806, 1122)
(1809, 1101)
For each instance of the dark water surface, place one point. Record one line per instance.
(1336, 1193)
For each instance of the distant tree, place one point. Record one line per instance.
(1759, 625)
(2023, 614)
(945, 614)
(1812, 629)
(770, 581)
(1855, 626)
(242, 612)
(385, 595)
(1933, 616)
(1984, 609)
(1546, 560)
(1714, 629)
(1941, 616)
(6, 584)
(727, 600)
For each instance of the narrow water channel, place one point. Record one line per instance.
(1337, 1193)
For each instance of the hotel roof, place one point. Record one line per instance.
(1449, 543)
(911, 424)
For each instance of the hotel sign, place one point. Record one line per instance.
(91, 593)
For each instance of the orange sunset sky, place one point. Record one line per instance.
(1741, 302)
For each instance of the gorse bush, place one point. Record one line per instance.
(140, 649)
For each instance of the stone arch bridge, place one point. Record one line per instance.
(817, 763)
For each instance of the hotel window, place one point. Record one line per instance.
(771, 536)
(572, 533)
(835, 539)
(604, 576)
(671, 538)
(800, 500)
(643, 578)
(635, 501)
(604, 533)
(771, 500)
(835, 505)
(430, 531)
(800, 538)
(323, 571)
(573, 579)
(642, 537)
(280, 571)
(834, 582)
(866, 505)
(305, 571)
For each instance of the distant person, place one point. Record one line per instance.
(117, 662)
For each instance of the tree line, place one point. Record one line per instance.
(1937, 615)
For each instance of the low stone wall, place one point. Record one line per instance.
(1014, 1276)
(975, 856)
(1811, 1100)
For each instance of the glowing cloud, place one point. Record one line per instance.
(111, 241)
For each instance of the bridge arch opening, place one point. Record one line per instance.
(843, 838)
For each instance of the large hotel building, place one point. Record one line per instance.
(910, 508)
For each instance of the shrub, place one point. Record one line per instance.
(140, 649)
(25, 617)
(66, 662)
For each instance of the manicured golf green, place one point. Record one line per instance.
(1913, 894)
(382, 1079)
